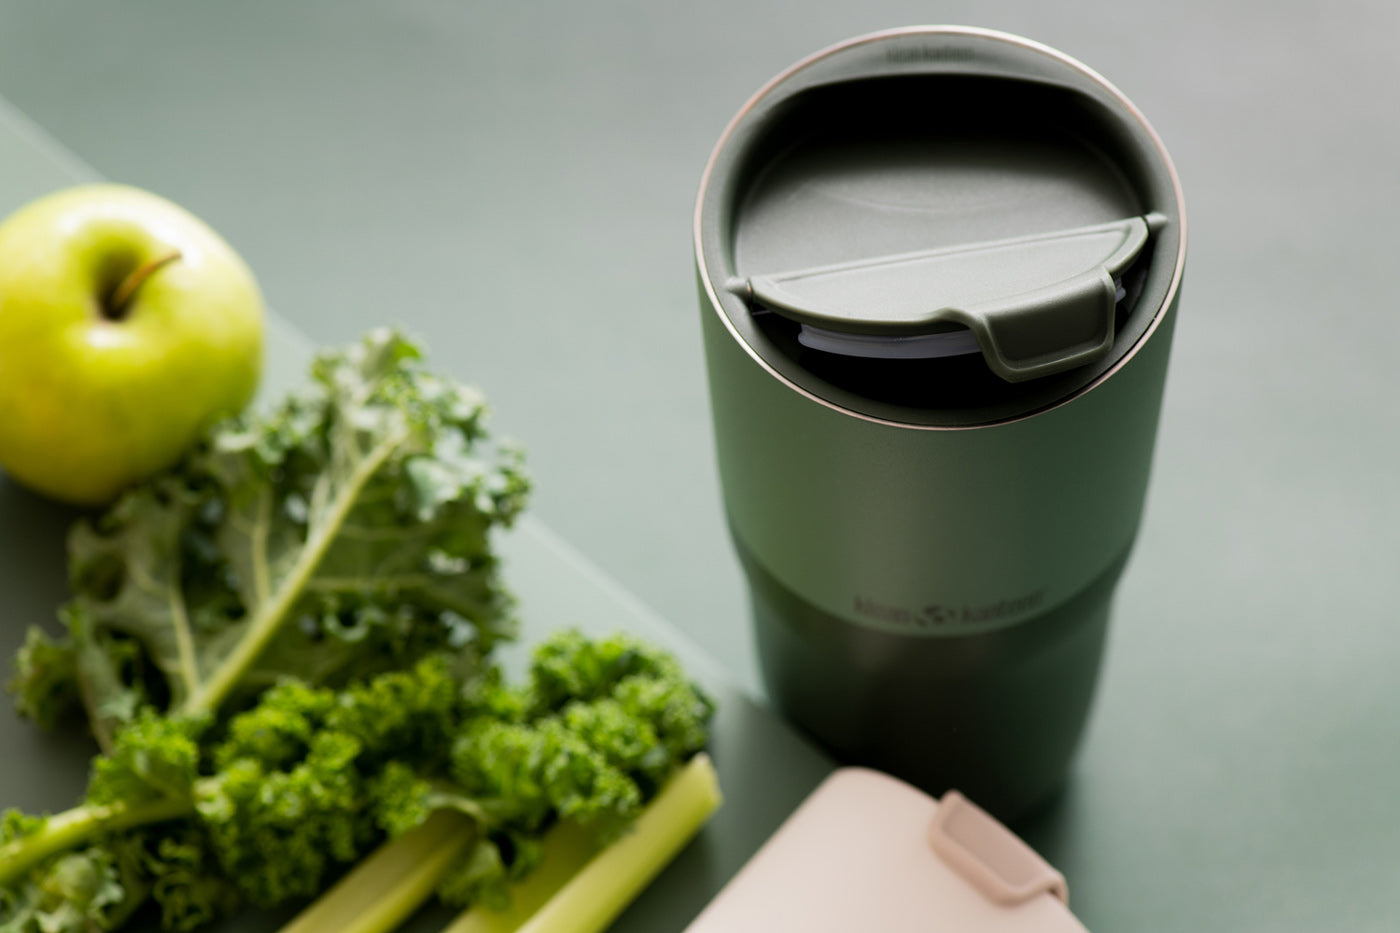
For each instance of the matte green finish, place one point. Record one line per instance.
(999, 711)
(954, 584)
(933, 533)
(931, 591)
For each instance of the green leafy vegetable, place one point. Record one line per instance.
(307, 781)
(532, 774)
(345, 533)
(45, 684)
(283, 647)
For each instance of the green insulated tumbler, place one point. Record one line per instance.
(938, 272)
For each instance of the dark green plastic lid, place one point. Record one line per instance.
(940, 225)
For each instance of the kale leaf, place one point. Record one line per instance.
(344, 533)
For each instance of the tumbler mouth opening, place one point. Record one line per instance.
(939, 227)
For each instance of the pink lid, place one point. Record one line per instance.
(868, 852)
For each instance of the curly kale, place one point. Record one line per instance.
(45, 684)
(344, 533)
(282, 646)
(274, 803)
(91, 866)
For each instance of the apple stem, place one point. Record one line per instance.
(115, 306)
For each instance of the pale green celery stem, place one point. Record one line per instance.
(566, 849)
(588, 899)
(72, 828)
(379, 893)
(270, 616)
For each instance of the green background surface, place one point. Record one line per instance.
(514, 181)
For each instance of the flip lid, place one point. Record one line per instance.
(1034, 305)
(939, 218)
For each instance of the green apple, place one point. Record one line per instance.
(127, 325)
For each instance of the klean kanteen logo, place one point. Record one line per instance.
(917, 54)
(947, 618)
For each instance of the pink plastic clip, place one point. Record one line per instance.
(989, 856)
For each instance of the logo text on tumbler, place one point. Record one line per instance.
(914, 54)
(939, 616)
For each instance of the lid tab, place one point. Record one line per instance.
(1036, 305)
(990, 856)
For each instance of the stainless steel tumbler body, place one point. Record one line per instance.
(938, 272)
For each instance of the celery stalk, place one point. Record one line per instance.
(384, 889)
(575, 889)
(566, 849)
(586, 900)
